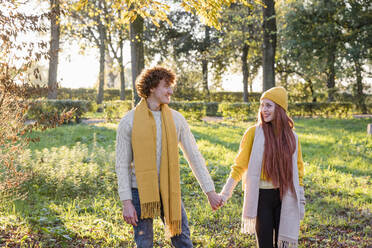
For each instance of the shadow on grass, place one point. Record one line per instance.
(69, 135)
(46, 226)
(353, 171)
(232, 146)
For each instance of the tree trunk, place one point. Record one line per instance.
(137, 53)
(206, 44)
(54, 49)
(269, 44)
(122, 73)
(331, 75)
(102, 51)
(205, 76)
(311, 88)
(359, 87)
(245, 72)
(110, 71)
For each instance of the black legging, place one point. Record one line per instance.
(268, 217)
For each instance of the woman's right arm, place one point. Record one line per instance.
(240, 165)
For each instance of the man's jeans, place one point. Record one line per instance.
(143, 232)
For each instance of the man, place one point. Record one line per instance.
(147, 163)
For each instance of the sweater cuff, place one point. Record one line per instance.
(208, 188)
(228, 189)
(125, 195)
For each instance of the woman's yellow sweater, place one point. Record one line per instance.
(242, 159)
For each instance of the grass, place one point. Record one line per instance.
(71, 198)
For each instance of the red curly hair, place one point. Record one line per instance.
(150, 78)
(280, 144)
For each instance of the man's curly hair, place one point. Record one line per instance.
(150, 78)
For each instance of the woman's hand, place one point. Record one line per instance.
(215, 200)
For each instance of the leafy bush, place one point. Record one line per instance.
(239, 111)
(225, 96)
(116, 109)
(41, 109)
(333, 109)
(211, 109)
(245, 111)
(190, 110)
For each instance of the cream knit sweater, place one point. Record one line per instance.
(124, 155)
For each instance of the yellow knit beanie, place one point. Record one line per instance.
(278, 95)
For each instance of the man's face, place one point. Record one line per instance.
(162, 92)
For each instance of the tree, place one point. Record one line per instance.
(137, 53)
(357, 44)
(269, 44)
(54, 48)
(312, 33)
(241, 38)
(88, 23)
(16, 57)
(189, 40)
(208, 10)
(117, 33)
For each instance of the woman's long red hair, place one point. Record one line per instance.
(280, 144)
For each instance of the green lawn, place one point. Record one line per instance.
(71, 199)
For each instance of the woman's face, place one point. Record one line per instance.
(267, 109)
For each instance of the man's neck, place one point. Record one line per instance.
(153, 105)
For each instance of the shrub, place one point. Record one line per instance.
(47, 109)
(332, 109)
(239, 111)
(190, 110)
(246, 111)
(225, 96)
(211, 109)
(116, 109)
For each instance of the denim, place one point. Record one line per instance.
(144, 234)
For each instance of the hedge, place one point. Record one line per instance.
(239, 111)
(242, 111)
(221, 96)
(39, 108)
(245, 111)
(334, 109)
(116, 109)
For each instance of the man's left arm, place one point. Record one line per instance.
(197, 164)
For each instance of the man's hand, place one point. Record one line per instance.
(214, 200)
(129, 213)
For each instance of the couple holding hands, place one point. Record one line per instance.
(147, 165)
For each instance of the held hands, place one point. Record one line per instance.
(129, 213)
(215, 200)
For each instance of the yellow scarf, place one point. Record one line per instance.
(144, 154)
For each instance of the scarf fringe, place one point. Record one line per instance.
(248, 225)
(287, 243)
(174, 228)
(150, 210)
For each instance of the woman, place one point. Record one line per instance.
(270, 156)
